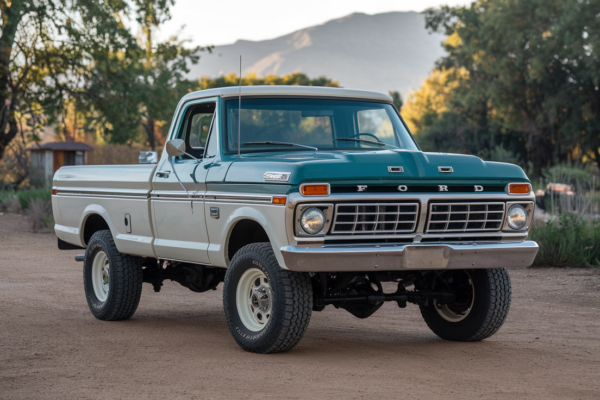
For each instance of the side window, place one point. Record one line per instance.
(200, 124)
(195, 129)
(211, 149)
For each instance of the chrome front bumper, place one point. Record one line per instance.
(409, 257)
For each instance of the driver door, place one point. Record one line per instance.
(178, 213)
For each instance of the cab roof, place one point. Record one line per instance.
(284, 91)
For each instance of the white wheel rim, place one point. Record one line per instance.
(452, 316)
(101, 276)
(254, 299)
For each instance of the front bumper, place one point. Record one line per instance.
(409, 257)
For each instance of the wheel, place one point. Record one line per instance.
(112, 281)
(479, 310)
(267, 308)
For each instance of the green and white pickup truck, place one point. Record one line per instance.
(297, 198)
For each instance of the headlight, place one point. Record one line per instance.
(517, 217)
(312, 221)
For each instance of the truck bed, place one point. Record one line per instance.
(112, 191)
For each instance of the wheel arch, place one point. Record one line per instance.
(243, 232)
(95, 218)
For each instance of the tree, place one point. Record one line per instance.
(396, 98)
(295, 78)
(165, 67)
(532, 68)
(45, 48)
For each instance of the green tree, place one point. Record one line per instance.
(532, 77)
(251, 79)
(166, 65)
(45, 52)
(396, 98)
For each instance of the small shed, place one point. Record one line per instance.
(49, 157)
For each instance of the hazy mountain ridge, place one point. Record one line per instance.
(372, 52)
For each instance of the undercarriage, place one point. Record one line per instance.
(359, 293)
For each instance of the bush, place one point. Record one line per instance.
(27, 196)
(568, 241)
(38, 213)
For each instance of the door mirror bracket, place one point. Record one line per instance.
(176, 147)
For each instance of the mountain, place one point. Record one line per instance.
(389, 51)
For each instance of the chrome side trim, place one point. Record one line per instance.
(411, 257)
(80, 193)
(249, 198)
(238, 197)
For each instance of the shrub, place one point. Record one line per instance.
(27, 196)
(38, 212)
(568, 241)
(12, 204)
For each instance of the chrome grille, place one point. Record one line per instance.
(362, 218)
(465, 217)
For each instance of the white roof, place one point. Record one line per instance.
(276, 91)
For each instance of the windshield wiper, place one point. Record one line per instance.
(280, 144)
(367, 141)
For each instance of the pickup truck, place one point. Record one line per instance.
(296, 198)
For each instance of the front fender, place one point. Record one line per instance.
(270, 217)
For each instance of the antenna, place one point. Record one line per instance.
(240, 110)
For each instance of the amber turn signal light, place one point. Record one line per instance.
(279, 200)
(319, 189)
(519, 188)
(54, 191)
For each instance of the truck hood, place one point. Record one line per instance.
(340, 167)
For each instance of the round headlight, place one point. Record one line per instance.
(312, 221)
(517, 217)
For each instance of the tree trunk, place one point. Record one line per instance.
(12, 13)
(150, 127)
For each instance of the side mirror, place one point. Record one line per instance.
(175, 147)
(148, 157)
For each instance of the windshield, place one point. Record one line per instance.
(294, 124)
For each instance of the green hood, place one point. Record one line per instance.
(372, 167)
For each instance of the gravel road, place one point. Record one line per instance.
(177, 345)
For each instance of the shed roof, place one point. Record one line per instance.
(62, 146)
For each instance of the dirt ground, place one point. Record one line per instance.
(177, 345)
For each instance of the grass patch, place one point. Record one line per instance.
(26, 197)
(569, 240)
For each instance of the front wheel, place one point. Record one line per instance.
(479, 309)
(267, 308)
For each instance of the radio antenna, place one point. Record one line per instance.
(240, 110)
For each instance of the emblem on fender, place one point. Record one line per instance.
(442, 188)
(361, 188)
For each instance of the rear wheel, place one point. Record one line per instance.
(267, 308)
(112, 281)
(479, 310)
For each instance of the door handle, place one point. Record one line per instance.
(163, 174)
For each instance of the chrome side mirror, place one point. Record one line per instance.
(148, 157)
(175, 147)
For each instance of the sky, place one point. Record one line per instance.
(223, 22)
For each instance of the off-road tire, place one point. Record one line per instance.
(292, 302)
(491, 304)
(125, 280)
